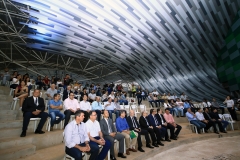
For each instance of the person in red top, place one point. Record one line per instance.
(171, 124)
(46, 83)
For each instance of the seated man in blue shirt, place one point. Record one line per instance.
(192, 118)
(55, 105)
(123, 128)
(97, 107)
(186, 105)
(77, 140)
(109, 105)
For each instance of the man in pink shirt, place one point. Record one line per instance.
(171, 124)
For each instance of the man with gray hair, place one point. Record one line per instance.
(50, 92)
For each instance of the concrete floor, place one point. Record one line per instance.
(227, 148)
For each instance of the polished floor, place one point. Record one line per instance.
(226, 148)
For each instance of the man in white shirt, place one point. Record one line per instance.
(183, 97)
(206, 103)
(85, 107)
(200, 117)
(155, 92)
(112, 95)
(179, 108)
(77, 140)
(109, 105)
(96, 137)
(92, 96)
(70, 106)
(50, 92)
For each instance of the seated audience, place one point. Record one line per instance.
(179, 108)
(66, 92)
(28, 84)
(16, 81)
(112, 96)
(193, 120)
(109, 105)
(183, 97)
(214, 115)
(151, 100)
(134, 126)
(123, 128)
(216, 105)
(92, 96)
(186, 105)
(172, 125)
(50, 92)
(158, 129)
(54, 110)
(85, 107)
(71, 106)
(46, 82)
(39, 82)
(105, 97)
(230, 107)
(207, 116)
(201, 118)
(123, 99)
(77, 140)
(162, 122)
(170, 105)
(109, 133)
(96, 137)
(21, 92)
(84, 92)
(33, 107)
(97, 107)
(206, 103)
(144, 124)
(192, 106)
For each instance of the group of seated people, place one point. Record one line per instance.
(88, 130)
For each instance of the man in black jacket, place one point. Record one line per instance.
(66, 92)
(162, 122)
(145, 125)
(134, 125)
(208, 116)
(33, 107)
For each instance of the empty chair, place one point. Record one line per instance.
(229, 119)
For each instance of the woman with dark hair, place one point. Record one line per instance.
(21, 92)
(230, 106)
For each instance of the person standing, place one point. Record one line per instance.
(33, 107)
(230, 107)
(77, 140)
(139, 95)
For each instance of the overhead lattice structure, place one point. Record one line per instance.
(170, 45)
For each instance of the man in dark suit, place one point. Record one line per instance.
(158, 129)
(109, 133)
(134, 125)
(33, 107)
(208, 117)
(162, 122)
(215, 117)
(66, 92)
(144, 124)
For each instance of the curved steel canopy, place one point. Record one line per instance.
(171, 45)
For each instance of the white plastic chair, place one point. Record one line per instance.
(49, 124)
(134, 107)
(195, 128)
(142, 107)
(13, 105)
(228, 118)
(11, 93)
(127, 107)
(35, 122)
(66, 156)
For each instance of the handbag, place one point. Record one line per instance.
(132, 134)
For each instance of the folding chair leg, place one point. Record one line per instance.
(35, 124)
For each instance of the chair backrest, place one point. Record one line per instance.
(122, 106)
(142, 107)
(228, 117)
(221, 116)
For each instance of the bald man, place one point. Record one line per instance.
(134, 125)
(97, 106)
